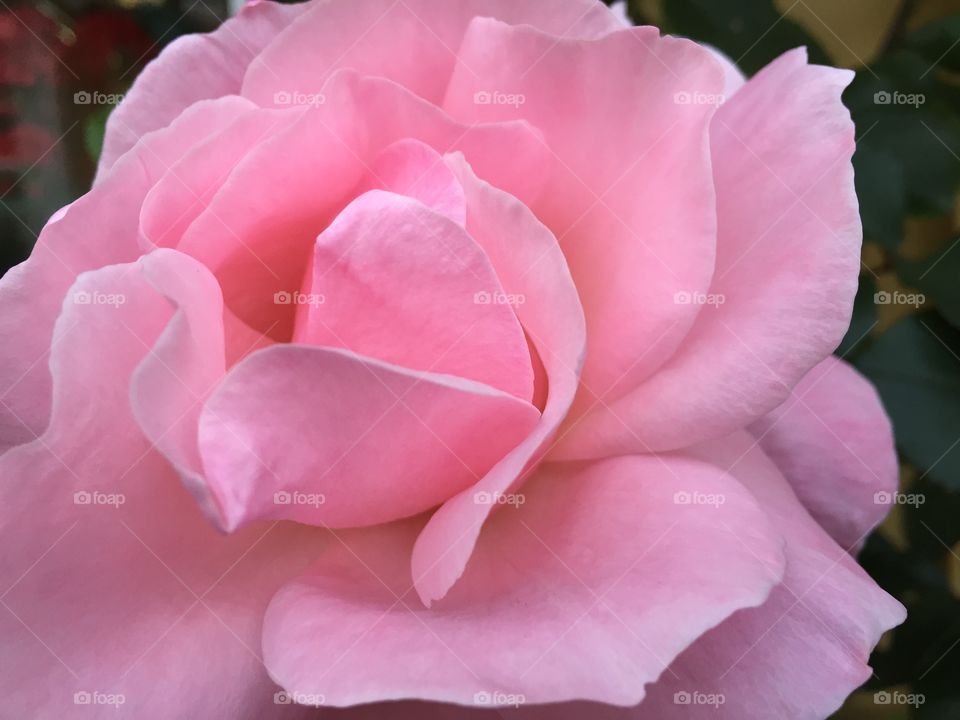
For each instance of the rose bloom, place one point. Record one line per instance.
(445, 360)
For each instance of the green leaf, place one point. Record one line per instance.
(904, 113)
(94, 128)
(882, 194)
(938, 277)
(938, 43)
(751, 32)
(916, 368)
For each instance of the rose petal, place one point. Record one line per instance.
(800, 654)
(586, 590)
(395, 281)
(375, 442)
(412, 43)
(258, 230)
(107, 590)
(833, 441)
(636, 216)
(787, 266)
(412, 168)
(32, 293)
(214, 63)
(531, 266)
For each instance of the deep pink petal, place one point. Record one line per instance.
(588, 589)
(787, 266)
(412, 168)
(833, 441)
(393, 280)
(374, 442)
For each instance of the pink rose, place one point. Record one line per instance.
(474, 353)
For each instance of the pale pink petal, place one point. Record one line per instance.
(833, 441)
(412, 168)
(188, 185)
(634, 209)
(413, 42)
(185, 364)
(587, 588)
(393, 280)
(531, 266)
(787, 266)
(374, 442)
(257, 231)
(32, 293)
(114, 582)
(190, 69)
(799, 655)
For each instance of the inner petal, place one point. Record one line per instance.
(394, 280)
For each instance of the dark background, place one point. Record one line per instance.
(904, 336)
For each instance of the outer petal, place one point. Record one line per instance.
(636, 216)
(787, 266)
(833, 441)
(32, 293)
(412, 42)
(799, 655)
(587, 590)
(190, 69)
(114, 584)
(394, 280)
(530, 265)
(375, 442)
